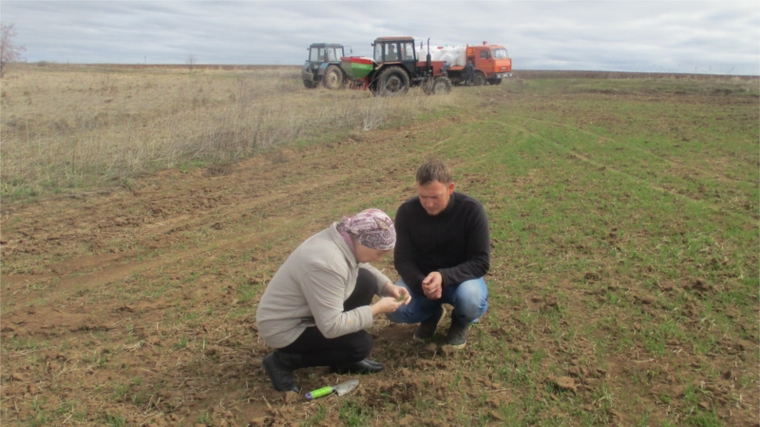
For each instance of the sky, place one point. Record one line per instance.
(672, 36)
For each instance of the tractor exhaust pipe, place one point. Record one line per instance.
(428, 62)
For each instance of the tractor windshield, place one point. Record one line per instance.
(316, 54)
(407, 51)
(386, 52)
(499, 53)
(321, 54)
(394, 51)
(334, 54)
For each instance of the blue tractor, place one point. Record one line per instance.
(323, 67)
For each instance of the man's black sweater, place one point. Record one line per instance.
(455, 242)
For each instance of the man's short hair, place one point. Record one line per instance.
(434, 170)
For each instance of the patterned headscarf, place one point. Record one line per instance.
(373, 228)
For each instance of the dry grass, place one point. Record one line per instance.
(78, 127)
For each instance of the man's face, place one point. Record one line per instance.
(434, 196)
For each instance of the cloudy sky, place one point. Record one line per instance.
(683, 36)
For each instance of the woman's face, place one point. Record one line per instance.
(365, 254)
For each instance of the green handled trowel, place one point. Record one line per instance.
(340, 389)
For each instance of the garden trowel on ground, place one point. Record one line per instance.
(340, 389)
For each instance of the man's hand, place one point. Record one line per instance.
(432, 285)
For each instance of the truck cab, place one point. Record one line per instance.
(491, 63)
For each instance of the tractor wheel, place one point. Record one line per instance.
(309, 84)
(438, 86)
(392, 81)
(494, 81)
(333, 78)
(478, 79)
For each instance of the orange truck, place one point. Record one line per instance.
(490, 62)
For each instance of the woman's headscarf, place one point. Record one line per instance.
(373, 228)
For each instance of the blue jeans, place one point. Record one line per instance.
(469, 299)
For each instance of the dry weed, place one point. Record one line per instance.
(66, 127)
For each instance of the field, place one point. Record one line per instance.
(145, 209)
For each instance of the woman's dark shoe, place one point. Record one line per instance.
(279, 367)
(365, 366)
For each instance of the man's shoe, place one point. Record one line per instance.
(428, 326)
(279, 367)
(365, 366)
(457, 335)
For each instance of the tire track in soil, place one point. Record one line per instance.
(698, 171)
(745, 217)
(627, 365)
(280, 193)
(274, 188)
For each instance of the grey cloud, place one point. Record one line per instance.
(623, 35)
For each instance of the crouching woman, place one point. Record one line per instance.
(316, 307)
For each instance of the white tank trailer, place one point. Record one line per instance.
(491, 63)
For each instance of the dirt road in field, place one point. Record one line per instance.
(135, 306)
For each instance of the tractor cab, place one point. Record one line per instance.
(323, 66)
(396, 50)
(323, 52)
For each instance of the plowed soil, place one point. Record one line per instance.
(135, 305)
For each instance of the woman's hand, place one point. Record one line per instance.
(397, 292)
(392, 297)
(385, 305)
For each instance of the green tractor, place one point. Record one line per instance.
(394, 68)
(323, 67)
